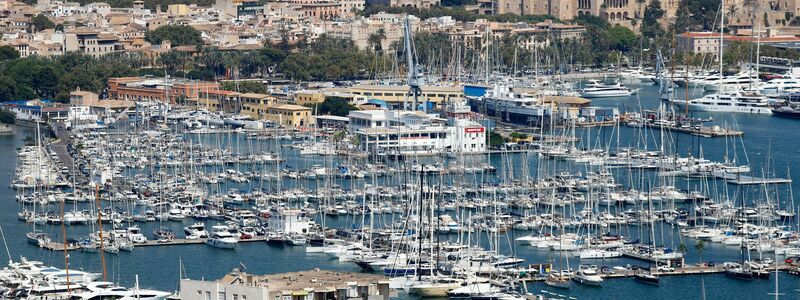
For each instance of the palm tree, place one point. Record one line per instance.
(700, 246)
(376, 39)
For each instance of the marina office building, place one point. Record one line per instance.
(397, 132)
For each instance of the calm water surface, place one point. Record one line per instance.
(765, 138)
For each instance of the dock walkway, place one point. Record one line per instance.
(55, 246)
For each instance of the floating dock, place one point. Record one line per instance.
(54, 246)
(739, 179)
(703, 131)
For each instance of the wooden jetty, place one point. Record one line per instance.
(54, 246)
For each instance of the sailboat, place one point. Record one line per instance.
(645, 276)
(37, 237)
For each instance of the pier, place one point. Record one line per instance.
(702, 131)
(739, 179)
(688, 270)
(55, 246)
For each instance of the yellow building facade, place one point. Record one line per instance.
(396, 95)
(289, 115)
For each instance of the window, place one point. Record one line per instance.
(235, 297)
(221, 296)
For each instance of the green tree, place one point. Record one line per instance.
(178, 35)
(41, 22)
(700, 247)
(766, 20)
(335, 106)
(7, 117)
(650, 26)
(518, 135)
(8, 88)
(376, 39)
(736, 53)
(697, 15)
(495, 140)
(621, 38)
(8, 52)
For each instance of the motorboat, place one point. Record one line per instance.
(600, 90)
(195, 231)
(164, 234)
(222, 238)
(588, 276)
(296, 240)
(738, 102)
(437, 287)
(646, 277)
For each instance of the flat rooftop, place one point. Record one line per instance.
(313, 279)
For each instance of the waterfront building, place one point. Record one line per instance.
(306, 285)
(395, 132)
(289, 115)
(290, 221)
(36, 110)
(255, 105)
(395, 96)
(699, 43)
(305, 97)
(218, 100)
(172, 90)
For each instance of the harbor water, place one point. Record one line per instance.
(770, 145)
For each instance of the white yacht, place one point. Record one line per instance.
(779, 85)
(598, 90)
(135, 235)
(196, 231)
(436, 287)
(588, 276)
(107, 290)
(743, 80)
(738, 102)
(637, 75)
(703, 81)
(222, 238)
(598, 254)
(511, 107)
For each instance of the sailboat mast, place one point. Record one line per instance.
(100, 227)
(419, 223)
(721, 40)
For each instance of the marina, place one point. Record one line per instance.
(289, 155)
(503, 160)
